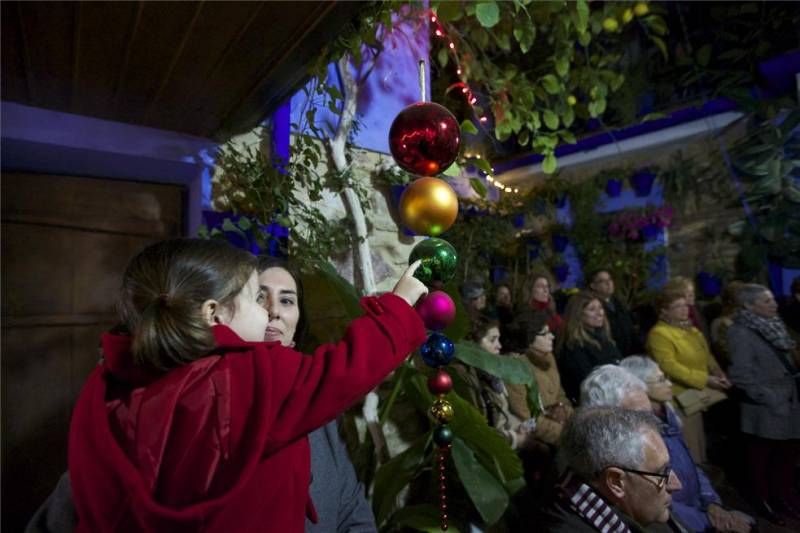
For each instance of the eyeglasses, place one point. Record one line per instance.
(663, 477)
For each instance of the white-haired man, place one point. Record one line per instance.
(639, 384)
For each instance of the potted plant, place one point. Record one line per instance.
(642, 182)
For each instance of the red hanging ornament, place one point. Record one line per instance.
(424, 138)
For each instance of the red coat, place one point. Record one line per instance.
(220, 444)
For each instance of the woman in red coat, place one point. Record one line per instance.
(190, 423)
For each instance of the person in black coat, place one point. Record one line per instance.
(620, 320)
(585, 344)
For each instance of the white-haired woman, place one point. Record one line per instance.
(764, 367)
(697, 505)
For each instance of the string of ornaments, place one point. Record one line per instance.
(424, 140)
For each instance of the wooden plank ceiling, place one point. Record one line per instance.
(210, 69)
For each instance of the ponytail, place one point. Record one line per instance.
(163, 291)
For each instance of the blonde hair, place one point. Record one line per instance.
(575, 331)
(678, 284)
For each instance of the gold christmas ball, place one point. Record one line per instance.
(428, 206)
(442, 411)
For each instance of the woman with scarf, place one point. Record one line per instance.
(764, 366)
(541, 299)
(681, 350)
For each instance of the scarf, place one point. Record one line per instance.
(590, 506)
(773, 330)
(683, 324)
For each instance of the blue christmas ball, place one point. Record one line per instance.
(437, 351)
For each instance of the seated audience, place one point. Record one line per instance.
(503, 312)
(487, 392)
(555, 407)
(682, 353)
(586, 342)
(542, 300)
(763, 366)
(619, 317)
(720, 325)
(474, 298)
(697, 505)
(686, 286)
(617, 476)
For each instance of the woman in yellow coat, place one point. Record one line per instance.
(682, 352)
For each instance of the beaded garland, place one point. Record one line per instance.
(439, 261)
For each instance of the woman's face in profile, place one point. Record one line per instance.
(491, 341)
(764, 305)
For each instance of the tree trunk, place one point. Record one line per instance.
(362, 259)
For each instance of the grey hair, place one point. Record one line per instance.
(609, 385)
(640, 366)
(748, 293)
(595, 438)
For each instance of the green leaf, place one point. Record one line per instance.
(567, 136)
(487, 13)
(443, 56)
(550, 119)
(244, 223)
(449, 11)
(524, 33)
(568, 117)
(662, 46)
(394, 475)
(562, 66)
(551, 84)
(509, 369)
(228, 225)
(704, 55)
(452, 171)
(485, 491)
(653, 116)
(423, 517)
(478, 186)
(549, 164)
(482, 164)
(582, 9)
(467, 126)
(524, 137)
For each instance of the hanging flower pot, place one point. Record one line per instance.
(561, 201)
(651, 232)
(710, 284)
(560, 242)
(534, 248)
(499, 274)
(518, 220)
(642, 182)
(614, 188)
(561, 272)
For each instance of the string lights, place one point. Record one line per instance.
(463, 87)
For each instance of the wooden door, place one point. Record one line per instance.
(65, 244)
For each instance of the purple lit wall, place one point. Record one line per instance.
(44, 141)
(391, 84)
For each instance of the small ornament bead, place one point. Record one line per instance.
(442, 411)
(442, 436)
(440, 383)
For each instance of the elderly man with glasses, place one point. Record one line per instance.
(639, 384)
(618, 476)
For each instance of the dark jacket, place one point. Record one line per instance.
(337, 494)
(771, 405)
(576, 362)
(623, 330)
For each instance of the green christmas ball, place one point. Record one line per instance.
(443, 435)
(439, 260)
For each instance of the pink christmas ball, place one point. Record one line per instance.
(437, 310)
